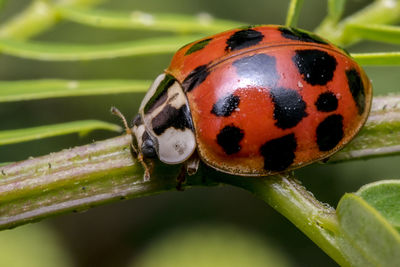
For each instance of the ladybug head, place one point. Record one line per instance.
(145, 143)
(164, 127)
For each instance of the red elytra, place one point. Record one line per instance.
(267, 99)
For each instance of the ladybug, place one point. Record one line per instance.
(253, 101)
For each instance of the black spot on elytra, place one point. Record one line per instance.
(195, 78)
(225, 106)
(229, 138)
(243, 39)
(172, 117)
(327, 102)
(279, 153)
(198, 46)
(357, 89)
(330, 132)
(160, 95)
(259, 69)
(300, 35)
(289, 107)
(317, 67)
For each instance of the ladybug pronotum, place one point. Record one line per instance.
(253, 101)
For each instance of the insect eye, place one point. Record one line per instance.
(148, 149)
(148, 146)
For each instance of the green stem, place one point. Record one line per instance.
(293, 12)
(378, 12)
(73, 52)
(79, 178)
(74, 180)
(178, 23)
(38, 17)
(377, 59)
(101, 172)
(292, 200)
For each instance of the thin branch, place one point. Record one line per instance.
(316, 220)
(378, 12)
(293, 12)
(71, 52)
(75, 179)
(38, 17)
(201, 23)
(82, 177)
(79, 178)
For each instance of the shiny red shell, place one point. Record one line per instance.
(267, 99)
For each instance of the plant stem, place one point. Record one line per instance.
(318, 221)
(39, 16)
(293, 12)
(102, 172)
(378, 12)
(77, 179)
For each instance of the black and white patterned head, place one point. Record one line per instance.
(164, 126)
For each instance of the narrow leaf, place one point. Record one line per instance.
(377, 59)
(72, 52)
(335, 9)
(51, 88)
(380, 33)
(384, 196)
(374, 240)
(293, 12)
(203, 22)
(34, 133)
(37, 17)
(377, 12)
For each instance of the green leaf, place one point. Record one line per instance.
(34, 133)
(368, 239)
(335, 9)
(140, 20)
(37, 17)
(377, 59)
(293, 12)
(384, 196)
(375, 32)
(72, 52)
(50, 88)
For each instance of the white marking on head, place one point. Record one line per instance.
(152, 90)
(176, 97)
(175, 146)
(139, 131)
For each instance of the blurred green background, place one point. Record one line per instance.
(222, 226)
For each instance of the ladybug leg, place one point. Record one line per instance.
(189, 167)
(146, 167)
(192, 164)
(181, 178)
(134, 150)
(325, 160)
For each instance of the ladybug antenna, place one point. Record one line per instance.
(118, 113)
